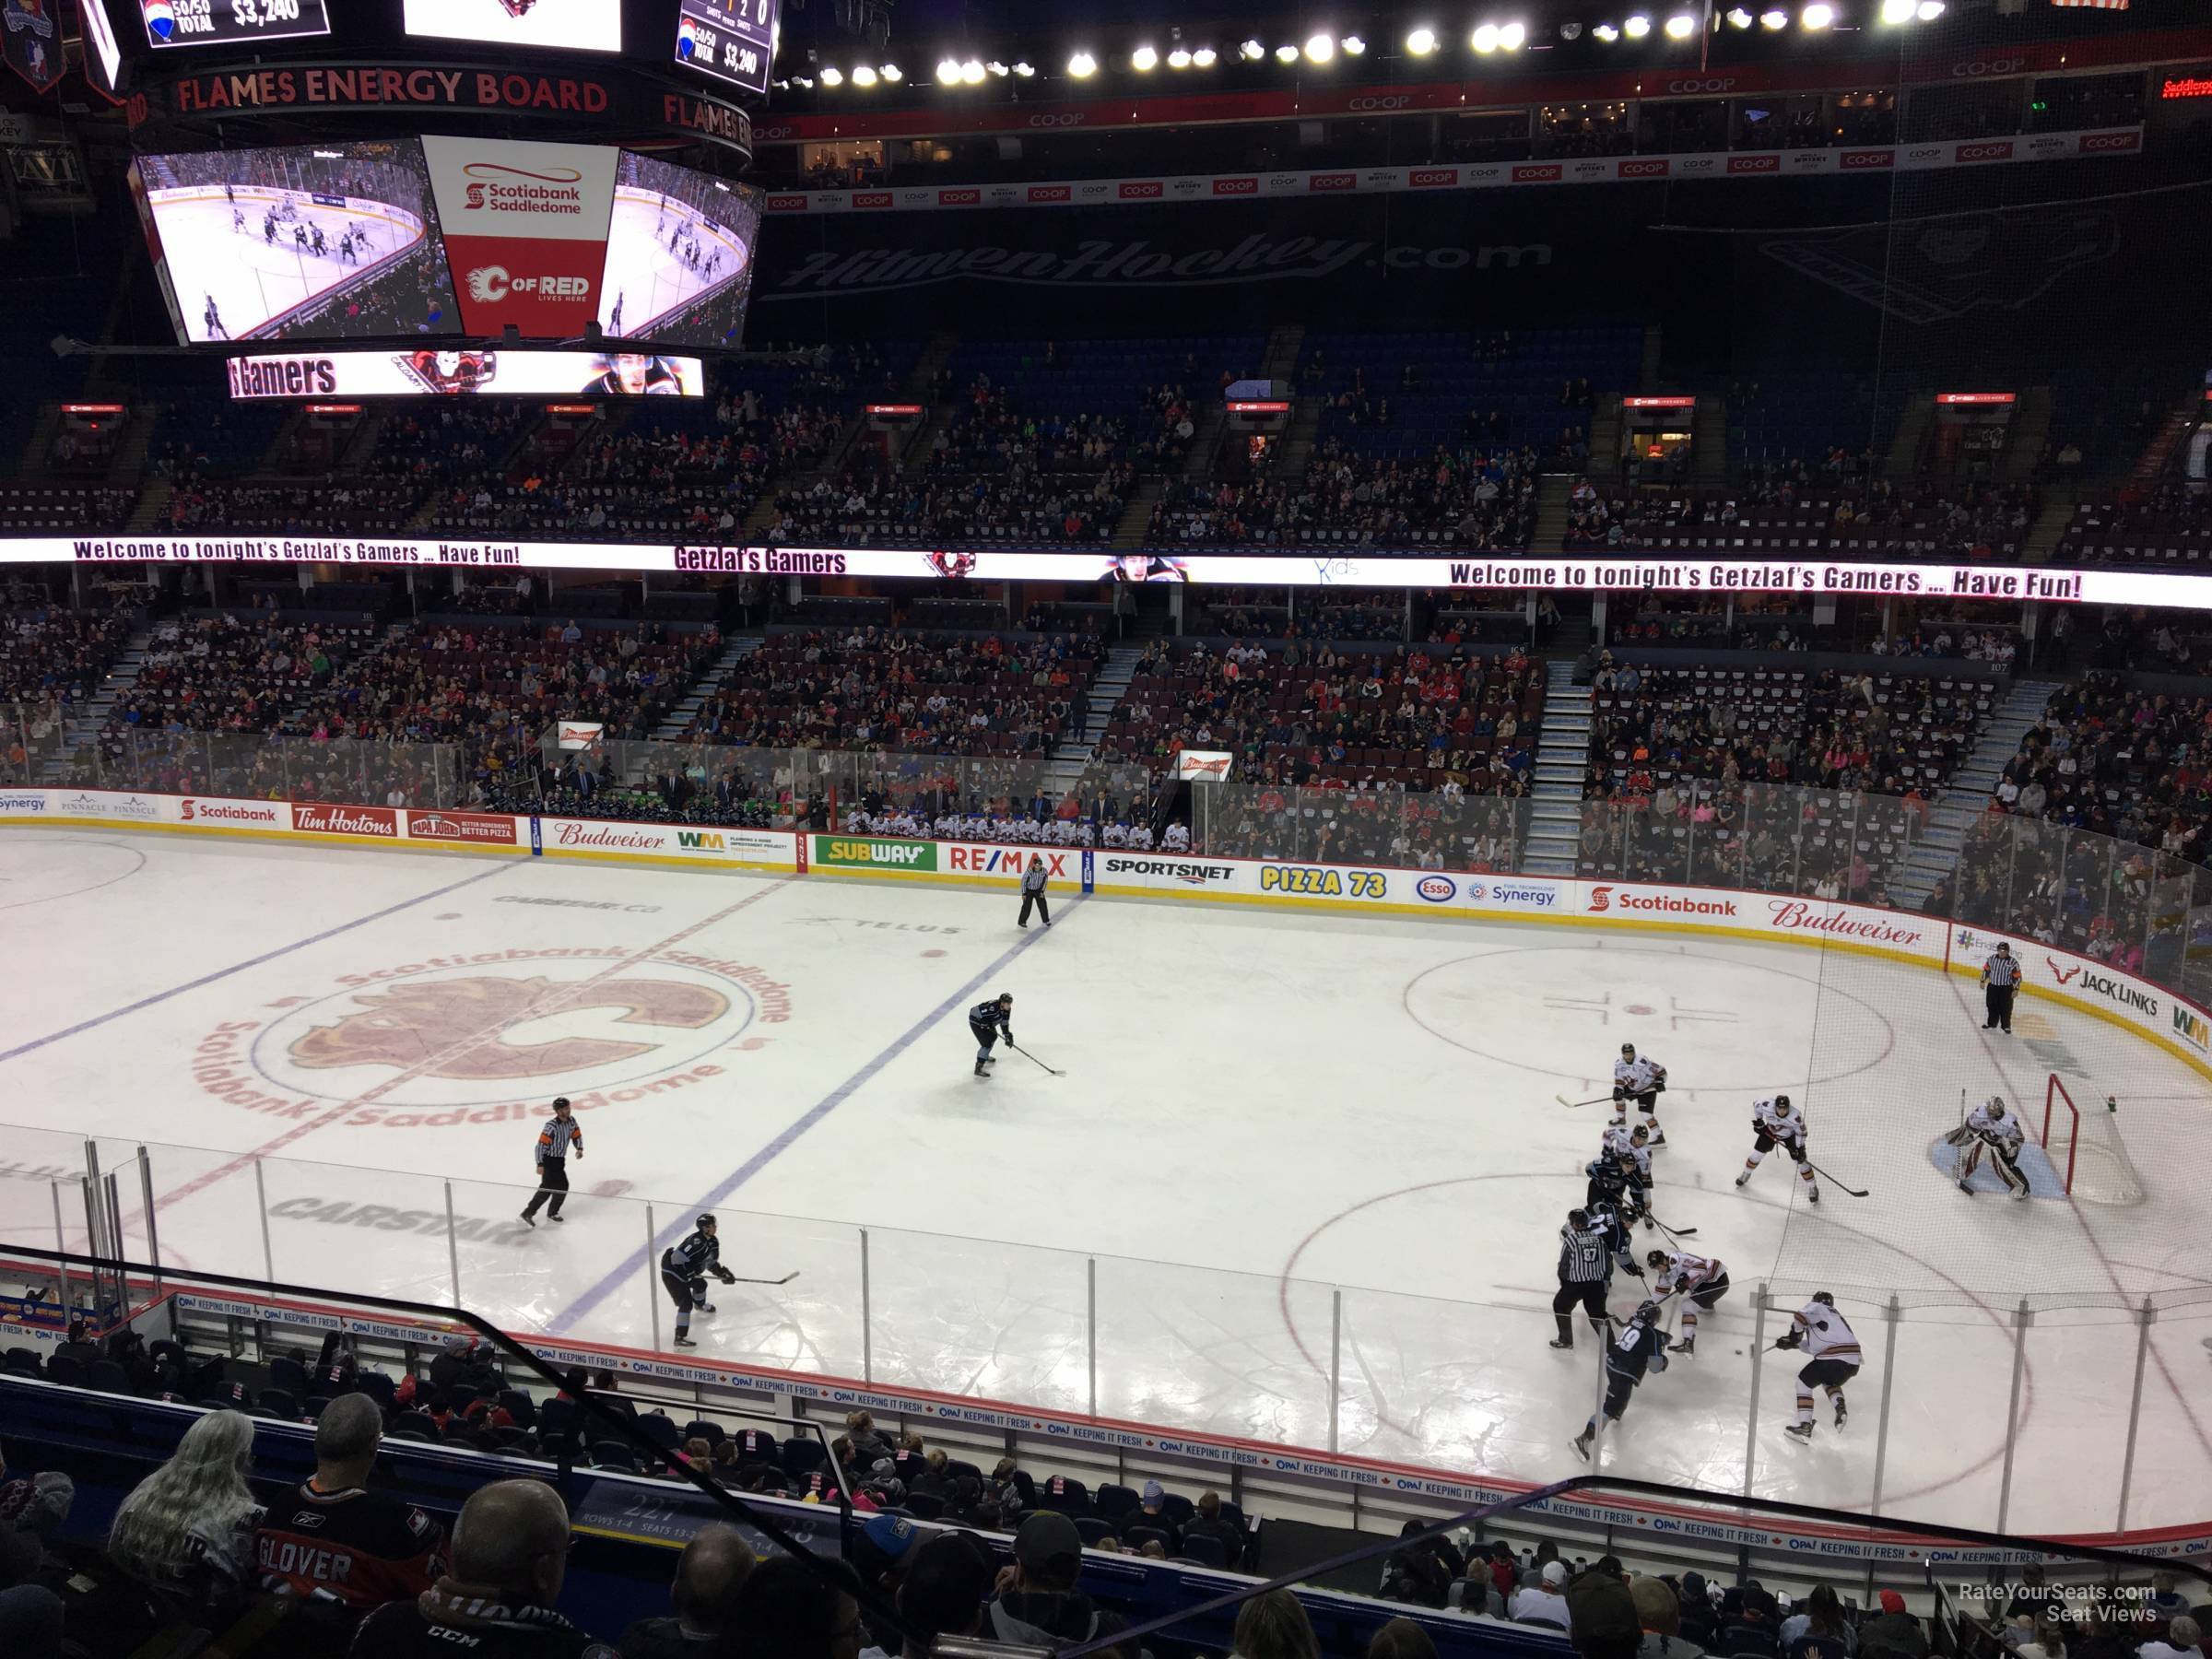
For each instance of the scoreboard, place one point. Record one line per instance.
(242, 24)
(733, 40)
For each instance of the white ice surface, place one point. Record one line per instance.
(1284, 1106)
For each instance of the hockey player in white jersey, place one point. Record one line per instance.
(1630, 1149)
(1700, 1281)
(1831, 1347)
(1642, 1079)
(1776, 1124)
(1990, 1128)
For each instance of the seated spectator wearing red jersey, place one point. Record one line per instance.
(338, 1546)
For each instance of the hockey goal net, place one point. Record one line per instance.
(2085, 1147)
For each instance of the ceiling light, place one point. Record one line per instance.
(1320, 49)
(1180, 59)
(1681, 26)
(1142, 58)
(862, 75)
(972, 72)
(1570, 32)
(948, 72)
(1421, 42)
(1637, 27)
(1818, 15)
(1023, 69)
(803, 83)
(1353, 45)
(1511, 36)
(1206, 57)
(1484, 38)
(1930, 10)
(1898, 11)
(1251, 52)
(1739, 18)
(832, 76)
(892, 73)
(998, 68)
(1773, 17)
(1606, 32)
(1286, 54)
(1082, 65)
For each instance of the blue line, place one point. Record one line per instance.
(266, 956)
(627, 1272)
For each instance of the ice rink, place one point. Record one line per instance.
(253, 280)
(1272, 1125)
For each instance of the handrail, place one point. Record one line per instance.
(622, 1428)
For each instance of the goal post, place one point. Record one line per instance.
(2060, 1111)
(2085, 1148)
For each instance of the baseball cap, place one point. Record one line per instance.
(891, 1535)
(1049, 1545)
(1892, 1602)
(1600, 1611)
(1555, 1574)
(1153, 1492)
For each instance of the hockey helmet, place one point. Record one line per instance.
(1656, 1258)
(1823, 1297)
(1641, 1132)
(1578, 1219)
(1782, 1102)
(703, 1222)
(1647, 1312)
(1997, 1105)
(1628, 1051)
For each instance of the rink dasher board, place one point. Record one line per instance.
(1659, 1520)
(2150, 1012)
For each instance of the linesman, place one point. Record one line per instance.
(562, 1134)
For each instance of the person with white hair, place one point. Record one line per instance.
(2183, 1640)
(186, 1531)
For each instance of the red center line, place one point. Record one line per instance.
(544, 1002)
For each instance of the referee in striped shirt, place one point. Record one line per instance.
(561, 1133)
(2000, 984)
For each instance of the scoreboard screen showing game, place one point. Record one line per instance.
(532, 25)
(679, 256)
(733, 40)
(300, 242)
(427, 372)
(236, 23)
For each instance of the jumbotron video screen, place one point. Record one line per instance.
(424, 237)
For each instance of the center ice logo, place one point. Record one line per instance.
(489, 1036)
(458, 1028)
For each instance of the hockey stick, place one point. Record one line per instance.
(1845, 1185)
(1673, 1232)
(1600, 1100)
(1027, 1056)
(785, 1280)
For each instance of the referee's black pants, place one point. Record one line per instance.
(553, 1183)
(1590, 1298)
(1997, 1000)
(1043, 909)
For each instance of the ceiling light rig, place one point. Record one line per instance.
(1320, 49)
(1082, 67)
(1285, 53)
(1143, 60)
(1420, 42)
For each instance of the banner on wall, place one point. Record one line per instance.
(1294, 185)
(1496, 572)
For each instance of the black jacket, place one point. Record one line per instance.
(448, 1621)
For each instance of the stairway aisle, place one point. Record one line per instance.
(80, 733)
(1555, 830)
(1073, 754)
(1935, 850)
(733, 651)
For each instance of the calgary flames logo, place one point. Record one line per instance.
(408, 1025)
